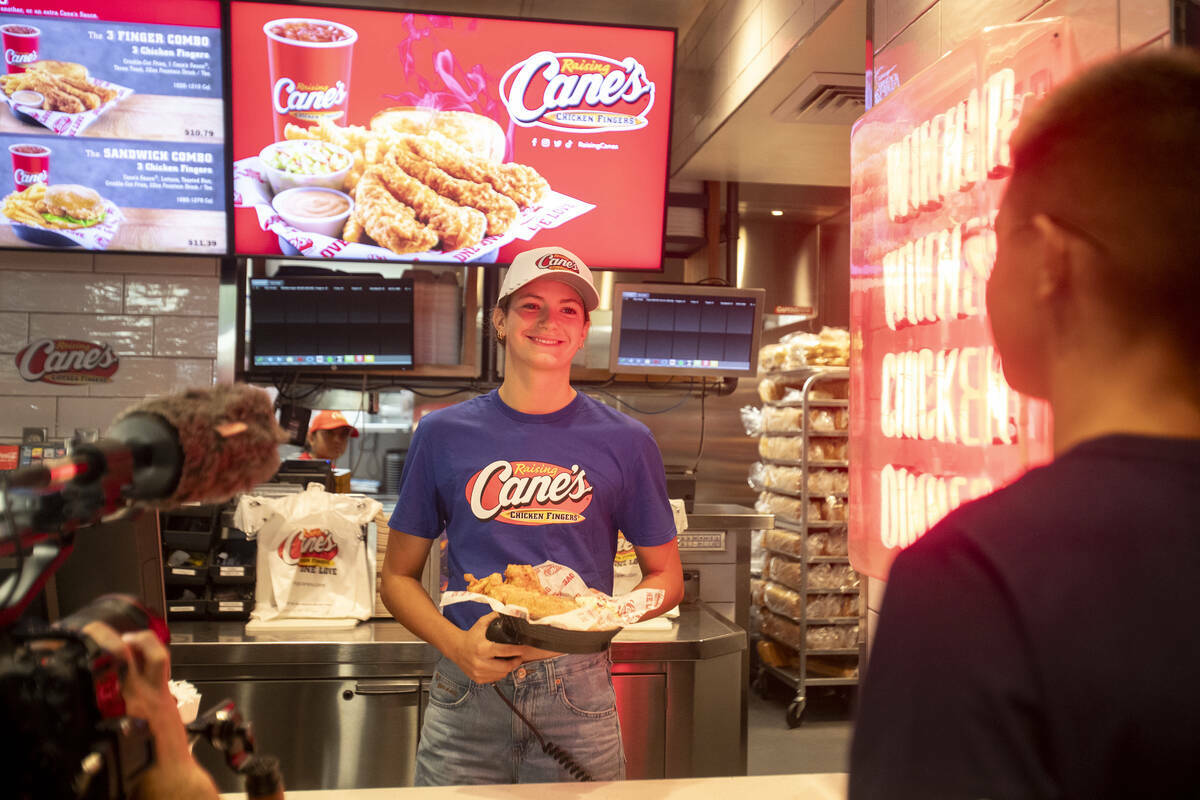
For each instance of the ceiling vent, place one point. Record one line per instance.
(830, 98)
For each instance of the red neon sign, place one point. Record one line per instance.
(933, 423)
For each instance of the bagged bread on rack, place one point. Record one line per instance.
(781, 629)
(831, 606)
(780, 541)
(775, 654)
(770, 390)
(783, 600)
(757, 475)
(752, 420)
(786, 479)
(777, 419)
(758, 589)
(827, 450)
(772, 357)
(831, 637)
(832, 576)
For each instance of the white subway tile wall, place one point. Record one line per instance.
(184, 295)
(185, 336)
(159, 314)
(128, 336)
(14, 330)
(58, 291)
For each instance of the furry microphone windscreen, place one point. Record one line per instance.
(228, 436)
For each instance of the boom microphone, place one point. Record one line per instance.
(204, 445)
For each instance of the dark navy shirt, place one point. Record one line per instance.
(1042, 642)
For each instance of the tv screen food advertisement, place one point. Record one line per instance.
(379, 135)
(112, 126)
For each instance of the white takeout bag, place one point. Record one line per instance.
(313, 559)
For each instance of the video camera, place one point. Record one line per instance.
(60, 692)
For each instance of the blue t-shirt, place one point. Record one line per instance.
(514, 488)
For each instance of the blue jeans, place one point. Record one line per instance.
(471, 737)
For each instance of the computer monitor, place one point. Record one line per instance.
(338, 323)
(685, 329)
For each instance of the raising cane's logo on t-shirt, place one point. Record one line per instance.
(529, 493)
(578, 92)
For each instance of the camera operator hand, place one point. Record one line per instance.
(175, 773)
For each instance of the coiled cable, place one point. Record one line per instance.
(549, 748)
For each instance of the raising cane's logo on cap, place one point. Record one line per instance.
(557, 261)
(529, 493)
(67, 362)
(309, 547)
(578, 92)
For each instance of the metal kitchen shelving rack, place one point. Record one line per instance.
(800, 677)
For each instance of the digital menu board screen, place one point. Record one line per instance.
(113, 126)
(380, 135)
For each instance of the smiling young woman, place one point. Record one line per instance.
(481, 448)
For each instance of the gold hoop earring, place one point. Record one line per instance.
(500, 338)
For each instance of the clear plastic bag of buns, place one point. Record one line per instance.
(772, 357)
(782, 478)
(771, 391)
(827, 450)
(831, 637)
(757, 477)
(831, 606)
(780, 541)
(758, 588)
(773, 653)
(781, 419)
(781, 629)
(832, 576)
(752, 420)
(783, 600)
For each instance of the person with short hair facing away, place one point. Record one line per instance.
(329, 433)
(533, 471)
(1035, 643)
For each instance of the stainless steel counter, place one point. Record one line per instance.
(364, 691)
(201, 648)
(727, 517)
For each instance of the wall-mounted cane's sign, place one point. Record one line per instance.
(67, 362)
(933, 423)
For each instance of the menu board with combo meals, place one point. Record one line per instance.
(377, 135)
(113, 122)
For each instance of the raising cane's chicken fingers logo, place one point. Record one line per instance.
(578, 92)
(529, 493)
(309, 547)
(557, 262)
(67, 362)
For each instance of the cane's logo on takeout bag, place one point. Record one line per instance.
(309, 547)
(67, 362)
(578, 92)
(529, 493)
(557, 261)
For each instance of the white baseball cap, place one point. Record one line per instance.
(556, 263)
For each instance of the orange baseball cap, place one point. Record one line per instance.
(331, 420)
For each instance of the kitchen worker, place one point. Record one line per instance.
(464, 474)
(1035, 643)
(328, 434)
